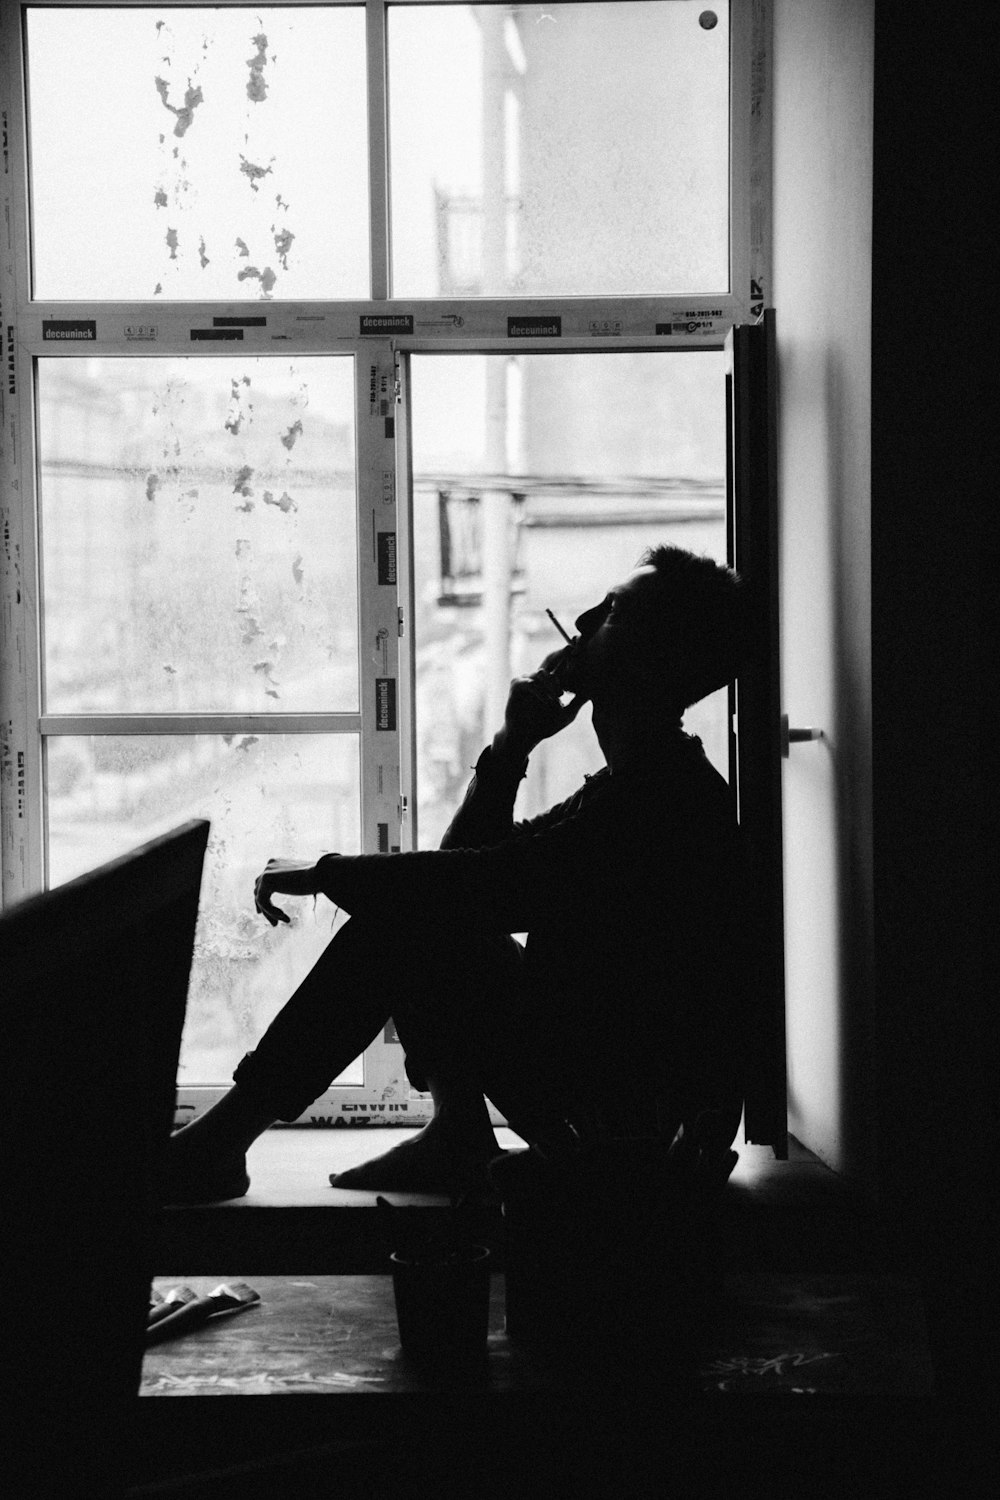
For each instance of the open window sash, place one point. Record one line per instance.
(753, 549)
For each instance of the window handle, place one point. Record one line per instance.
(796, 736)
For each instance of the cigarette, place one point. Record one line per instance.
(555, 622)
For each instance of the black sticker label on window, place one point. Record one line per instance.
(693, 325)
(387, 557)
(202, 335)
(245, 321)
(534, 328)
(70, 329)
(385, 703)
(383, 838)
(381, 323)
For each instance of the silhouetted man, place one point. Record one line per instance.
(622, 1012)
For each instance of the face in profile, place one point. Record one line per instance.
(612, 633)
(610, 648)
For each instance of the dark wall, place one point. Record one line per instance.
(934, 674)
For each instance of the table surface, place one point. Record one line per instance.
(774, 1334)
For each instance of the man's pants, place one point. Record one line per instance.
(457, 1001)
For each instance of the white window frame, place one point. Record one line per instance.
(407, 326)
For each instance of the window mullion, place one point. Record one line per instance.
(199, 723)
(378, 148)
(375, 396)
(21, 865)
(20, 688)
(408, 612)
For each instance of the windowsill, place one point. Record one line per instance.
(793, 1214)
(283, 1223)
(290, 1167)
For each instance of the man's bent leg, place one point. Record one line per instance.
(461, 1004)
(337, 1010)
(363, 976)
(328, 1021)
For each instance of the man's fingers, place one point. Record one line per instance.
(537, 683)
(535, 710)
(266, 906)
(547, 692)
(272, 912)
(545, 686)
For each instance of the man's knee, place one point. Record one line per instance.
(459, 1007)
(442, 954)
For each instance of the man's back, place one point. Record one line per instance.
(637, 967)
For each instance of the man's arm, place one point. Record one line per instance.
(506, 888)
(534, 712)
(486, 816)
(485, 820)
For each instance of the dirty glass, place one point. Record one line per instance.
(538, 482)
(198, 535)
(559, 149)
(273, 795)
(198, 153)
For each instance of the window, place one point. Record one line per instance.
(342, 340)
(237, 120)
(597, 161)
(197, 564)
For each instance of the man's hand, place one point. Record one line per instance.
(534, 708)
(287, 877)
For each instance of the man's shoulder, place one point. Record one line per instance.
(683, 766)
(683, 789)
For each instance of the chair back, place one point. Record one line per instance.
(94, 978)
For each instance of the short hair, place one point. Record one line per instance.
(704, 620)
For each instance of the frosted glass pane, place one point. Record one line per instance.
(198, 535)
(274, 795)
(559, 149)
(603, 455)
(198, 153)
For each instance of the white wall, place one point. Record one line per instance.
(823, 93)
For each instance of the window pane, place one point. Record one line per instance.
(198, 153)
(559, 149)
(198, 535)
(601, 456)
(274, 795)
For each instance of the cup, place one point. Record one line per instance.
(443, 1305)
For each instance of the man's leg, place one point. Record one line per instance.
(457, 1019)
(364, 975)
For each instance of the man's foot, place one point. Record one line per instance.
(432, 1162)
(192, 1176)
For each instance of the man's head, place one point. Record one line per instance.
(673, 630)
